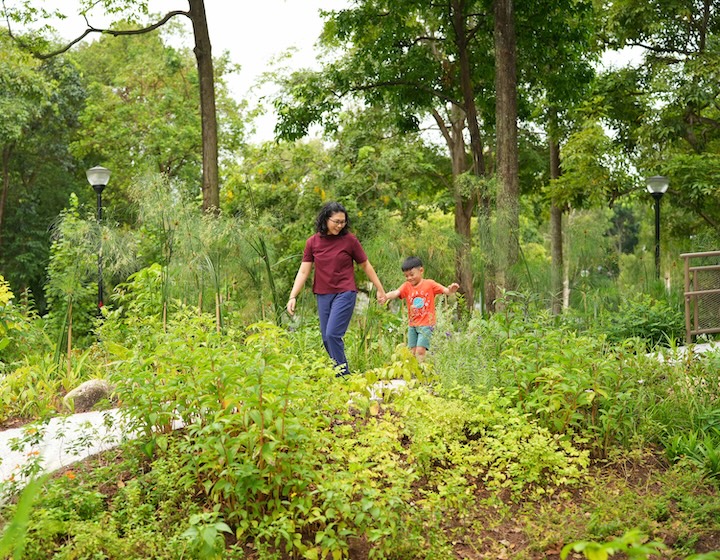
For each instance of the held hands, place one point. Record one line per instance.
(382, 298)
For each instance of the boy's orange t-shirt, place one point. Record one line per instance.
(421, 302)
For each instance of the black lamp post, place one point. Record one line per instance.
(98, 178)
(656, 186)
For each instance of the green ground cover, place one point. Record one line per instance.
(520, 438)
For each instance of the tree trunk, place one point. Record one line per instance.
(463, 205)
(7, 150)
(461, 41)
(556, 256)
(463, 256)
(566, 271)
(556, 237)
(203, 55)
(508, 188)
(465, 210)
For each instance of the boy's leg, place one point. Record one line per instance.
(338, 321)
(412, 339)
(423, 342)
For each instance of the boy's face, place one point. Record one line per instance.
(414, 275)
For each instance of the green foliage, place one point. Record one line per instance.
(480, 438)
(633, 544)
(657, 321)
(689, 420)
(139, 519)
(257, 438)
(34, 388)
(372, 338)
(39, 102)
(70, 292)
(277, 454)
(13, 537)
(205, 535)
(594, 169)
(32, 384)
(700, 448)
(7, 324)
(148, 121)
(571, 383)
(271, 447)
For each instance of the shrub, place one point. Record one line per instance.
(656, 321)
(571, 383)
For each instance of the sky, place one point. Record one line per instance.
(253, 32)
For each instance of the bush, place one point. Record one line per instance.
(656, 321)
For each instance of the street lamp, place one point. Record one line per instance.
(656, 186)
(98, 178)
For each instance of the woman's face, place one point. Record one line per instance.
(336, 223)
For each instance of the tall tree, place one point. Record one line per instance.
(507, 142)
(556, 212)
(203, 55)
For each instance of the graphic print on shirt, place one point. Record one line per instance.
(419, 308)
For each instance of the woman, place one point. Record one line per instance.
(333, 250)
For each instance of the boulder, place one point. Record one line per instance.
(86, 395)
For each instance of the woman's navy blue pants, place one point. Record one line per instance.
(335, 312)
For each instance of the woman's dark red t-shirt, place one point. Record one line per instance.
(333, 257)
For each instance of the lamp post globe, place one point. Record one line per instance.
(98, 178)
(657, 185)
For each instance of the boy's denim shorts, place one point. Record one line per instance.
(419, 336)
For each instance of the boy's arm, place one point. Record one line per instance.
(451, 289)
(394, 294)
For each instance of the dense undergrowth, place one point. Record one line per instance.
(520, 438)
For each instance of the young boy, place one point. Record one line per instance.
(420, 295)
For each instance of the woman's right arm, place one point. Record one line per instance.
(300, 278)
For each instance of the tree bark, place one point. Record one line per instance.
(461, 42)
(208, 114)
(556, 237)
(7, 151)
(463, 206)
(508, 189)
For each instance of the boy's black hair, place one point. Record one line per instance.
(410, 263)
(328, 210)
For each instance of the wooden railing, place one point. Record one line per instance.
(702, 294)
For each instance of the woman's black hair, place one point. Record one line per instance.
(326, 212)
